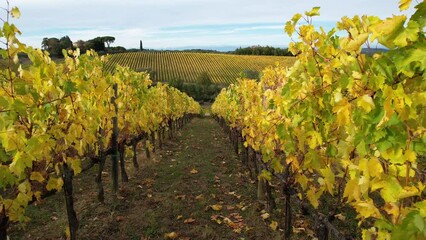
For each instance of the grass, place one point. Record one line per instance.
(222, 68)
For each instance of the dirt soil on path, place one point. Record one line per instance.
(194, 188)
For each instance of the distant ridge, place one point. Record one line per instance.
(371, 51)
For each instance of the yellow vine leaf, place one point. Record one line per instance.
(273, 225)
(352, 191)
(329, 179)
(366, 103)
(422, 207)
(15, 12)
(171, 235)
(312, 197)
(404, 4)
(367, 209)
(36, 176)
(410, 155)
(374, 167)
(216, 207)
(390, 193)
(54, 183)
(393, 210)
(388, 30)
(342, 110)
(313, 12)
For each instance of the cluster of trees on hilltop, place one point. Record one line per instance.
(261, 50)
(202, 90)
(54, 45)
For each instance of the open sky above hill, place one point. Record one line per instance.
(163, 24)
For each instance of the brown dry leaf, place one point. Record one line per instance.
(189, 220)
(119, 218)
(265, 216)
(229, 207)
(340, 217)
(180, 197)
(194, 171)
(179, 217)
(199, 197)
(240, 205)
(171, 235)
(216, 207)
(298, 230)
(273, 225)
(234, 194)
(216, 218)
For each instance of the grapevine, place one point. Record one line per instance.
(345, 124)
(53, 117)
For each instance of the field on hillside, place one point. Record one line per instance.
(222, 68)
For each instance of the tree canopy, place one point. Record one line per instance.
(260, 50)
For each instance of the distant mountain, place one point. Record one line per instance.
(371, 51)
(228, 48)
(214, 48)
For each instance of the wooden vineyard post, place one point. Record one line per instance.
(288, 217)
(122, 151)
(170, 129)
(270, 201)
(67, 176)
(244, 153)
(235, 137)
(288, 190)
(98, 179)
(148, 154)
(114, 142)
(4, 224)
(135, 155)
(153, 141)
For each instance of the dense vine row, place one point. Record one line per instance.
(55, 116)
(343, 124)
(222, 68)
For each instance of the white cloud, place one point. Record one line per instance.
(153, 21)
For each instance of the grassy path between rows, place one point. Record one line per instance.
(195, 188)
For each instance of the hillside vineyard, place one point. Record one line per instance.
(222, 68)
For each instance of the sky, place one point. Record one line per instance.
(175, 24)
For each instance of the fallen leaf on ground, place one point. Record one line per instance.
(298, 230)
(273, 225)
(194, 171)
(216, 207)
(199, 197)
(229, 207)
(179, 217)
(119, 218)
(340, 217)
(180, 197)
(171, 235)
(189, 220)
(265, 216)
(216, 218)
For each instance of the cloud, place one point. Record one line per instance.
(167, 23)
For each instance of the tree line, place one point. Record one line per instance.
(262, 50)
(100, 44)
